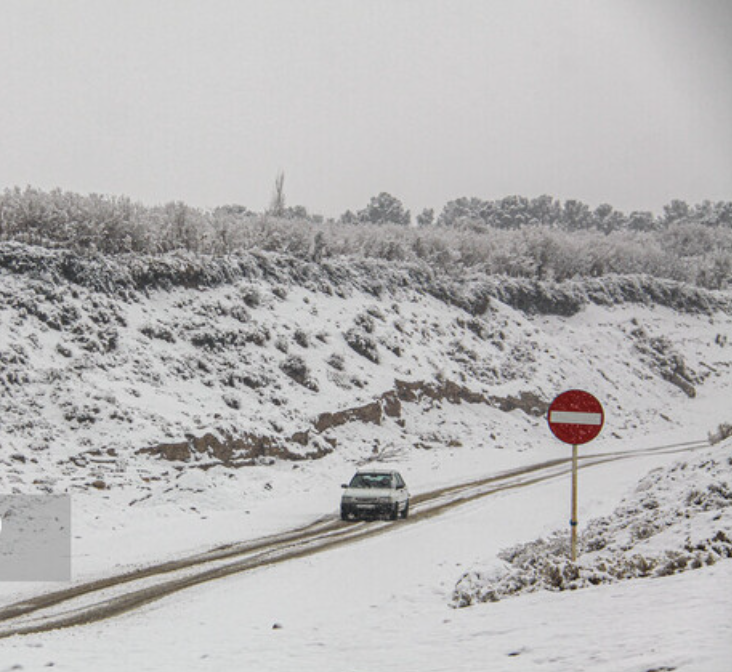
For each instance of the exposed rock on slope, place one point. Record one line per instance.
(247, 449)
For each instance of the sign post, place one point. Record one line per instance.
(575, 417)
(573, 521)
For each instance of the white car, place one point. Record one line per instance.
(375, 492)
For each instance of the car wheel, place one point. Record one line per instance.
(394, 512)
(405, 513)
(345, 514)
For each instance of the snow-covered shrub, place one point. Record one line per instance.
(251, 296)
(301, 338)
(296, 368)
(158, 332)
(232, 401)
(336, 361)
(392, 344)
(280, 292)
(80, 415)
(219, 340)
(254, 381)
(375, 312)
(240, 314)
(362, 343)
(365, 322)
(723, 431)
(660, 354)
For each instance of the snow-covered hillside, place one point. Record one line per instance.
(111, 381)
(126, 376)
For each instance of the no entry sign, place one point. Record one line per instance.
(576, 417)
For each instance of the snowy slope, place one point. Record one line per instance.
(247, 368)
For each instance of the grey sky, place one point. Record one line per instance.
(624, 101)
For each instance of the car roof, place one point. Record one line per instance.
(376, 470)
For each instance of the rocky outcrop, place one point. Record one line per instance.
(235, 451)
(370, 413)
(246, 449)
(390, 403)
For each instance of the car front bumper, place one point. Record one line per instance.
(367, 509)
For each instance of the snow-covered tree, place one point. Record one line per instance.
(426, 217)
(384, 209)
(277, 204)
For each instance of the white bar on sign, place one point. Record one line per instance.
(575, 418)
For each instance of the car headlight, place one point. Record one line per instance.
(347, 500)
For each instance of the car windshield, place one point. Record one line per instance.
(371, 481)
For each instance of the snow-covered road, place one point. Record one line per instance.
(117, 594)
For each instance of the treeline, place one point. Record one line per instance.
(540, 238)
(513, 212)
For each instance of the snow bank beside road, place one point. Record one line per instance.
(678, 518)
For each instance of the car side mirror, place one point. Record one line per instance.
(344, 485)
(400, 487)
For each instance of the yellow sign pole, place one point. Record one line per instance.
(573, 521)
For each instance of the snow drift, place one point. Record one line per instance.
(677, 519)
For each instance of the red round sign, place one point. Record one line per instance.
(575, 417)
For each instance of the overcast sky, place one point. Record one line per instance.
(627, 102)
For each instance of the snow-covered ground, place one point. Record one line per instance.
(384, 603)
(89, 379)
